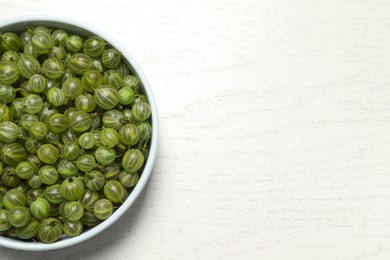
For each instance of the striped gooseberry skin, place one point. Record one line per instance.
(111, 58)
(14, 197)
(89, 198)
(145, 131)
(109, 137)
(19, 216)
(126, 95)
(133, 160)
(10, 41)
(56, 97)
(67, 168)
(73, 210)
(4, 223)
(86, 140)
(72, 88)
(72, 228)
(128, 179)
(112, 78)
(10, 56)
(105, 155)
(59, 37)
(130, 81)
(49, 230)
(37, 83)
(70, 151)
(94, 46)
(58, 122)
(114, 191)
(17, 108)
(29, 230)
(91, 80)
(80, 63)
(72, 188)
(31, 145)
(25, 170)
(9, 72)
(7, 93)
(94, 180)
(32, 103)
(106, 97)
(28, 49)
(80, 121)
(128, 134)
(103, 209)
(38, 130)
(9, 178)
(48, 174)
(48, 153)
(53, 68)
(57, 52)
(42, 42)
(9, 132)
(113, 119)
(141, 111)
(12, 153)
(5, 113)
(28, 65)
(73, 43)
(86, 162)
(40, 208)
(52, 193)
(85, 102)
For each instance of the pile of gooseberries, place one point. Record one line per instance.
(74, 133)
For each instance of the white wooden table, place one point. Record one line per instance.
(274, 128)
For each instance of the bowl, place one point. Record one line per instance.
(20, 24)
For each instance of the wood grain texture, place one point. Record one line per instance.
(274, 128)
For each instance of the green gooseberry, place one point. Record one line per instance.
(72, 188)
(13, 198)
(25, 170)
(109, 137)
(80, 121)
(48, 153)
(38, 130)
(52, 193)
(29, 230)
(132, 160)
(12, 153)
(9, 72)
(19, 216)
(128, 179)
(67, 168)
(37, 83)
(73, 210)
(4, 222)
(49, 230)
(86, 162)
(105, 155)
(58, 123)
(89, 198)
(70, 151)
(94, 180)
(56, 97)
(114, 191)
(9, 132)
(106, 97)
(48, 174)
(103, 209)
(72, 228)
(86, 140)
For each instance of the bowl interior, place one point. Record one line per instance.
(19, 25)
